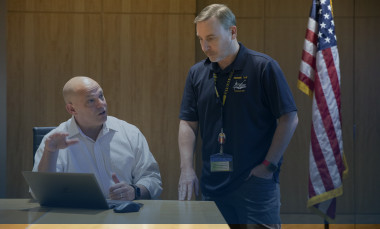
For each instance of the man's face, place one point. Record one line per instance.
(90, 106)
(215, 40)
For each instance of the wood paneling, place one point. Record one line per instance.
(301, 8)
(146, 62)
(367, 8)
(367, 113)
(343, 8)
(150, 6)
(55, 5)
(251, 33)
(287, 9)
(241, 8)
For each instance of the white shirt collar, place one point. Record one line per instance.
(108, 126)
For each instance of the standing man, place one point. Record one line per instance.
(242, 104)
(115, 151)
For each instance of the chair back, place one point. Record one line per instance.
(38, 135)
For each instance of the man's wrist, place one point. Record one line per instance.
(186, 168)
(137, 190)
(46, 149)
(270, 166)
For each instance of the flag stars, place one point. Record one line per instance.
(327, 40)
(330, 31)
(319, 34)
(323, 25)
(329, 7)
(320, 11)
(332, 23)
(323, 2)
(326, 16)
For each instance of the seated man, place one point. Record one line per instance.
(116, 152)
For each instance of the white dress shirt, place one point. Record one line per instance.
(120, 148)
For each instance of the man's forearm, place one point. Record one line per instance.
(187, 136)
(48, 162)
(282, 136)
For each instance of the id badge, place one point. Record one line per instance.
(221, 162)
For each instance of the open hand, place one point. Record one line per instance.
(58, 141)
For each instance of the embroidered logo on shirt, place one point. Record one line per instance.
(240, 84)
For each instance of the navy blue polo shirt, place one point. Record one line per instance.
(258, 95)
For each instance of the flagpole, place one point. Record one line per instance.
(326, 225)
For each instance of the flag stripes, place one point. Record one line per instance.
(319, 77)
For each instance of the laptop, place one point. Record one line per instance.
(75, 190)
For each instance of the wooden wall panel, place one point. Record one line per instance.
(301, 8)
(55, 5)
(150, 6)
(287, 9)
(367, 113)
(146, 62)
(367, 8)
(241, 8)
(343, 8)
(251, 33)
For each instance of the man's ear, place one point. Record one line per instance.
(70, 108)
(233, 30)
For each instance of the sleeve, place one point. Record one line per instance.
(189, 110)
(146, 171)
(40, 151)
(277, 94)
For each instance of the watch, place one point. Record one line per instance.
(137, 191)
(270, 166)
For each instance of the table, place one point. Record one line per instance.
(26, 211)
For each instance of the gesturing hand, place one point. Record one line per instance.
(187, 182)
(58, 141)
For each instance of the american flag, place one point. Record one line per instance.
(319, 77)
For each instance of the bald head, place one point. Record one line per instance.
(76, 85)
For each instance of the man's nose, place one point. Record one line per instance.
(204, 45)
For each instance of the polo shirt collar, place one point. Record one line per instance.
(236, 65)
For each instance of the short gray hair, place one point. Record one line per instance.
(221, 12)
